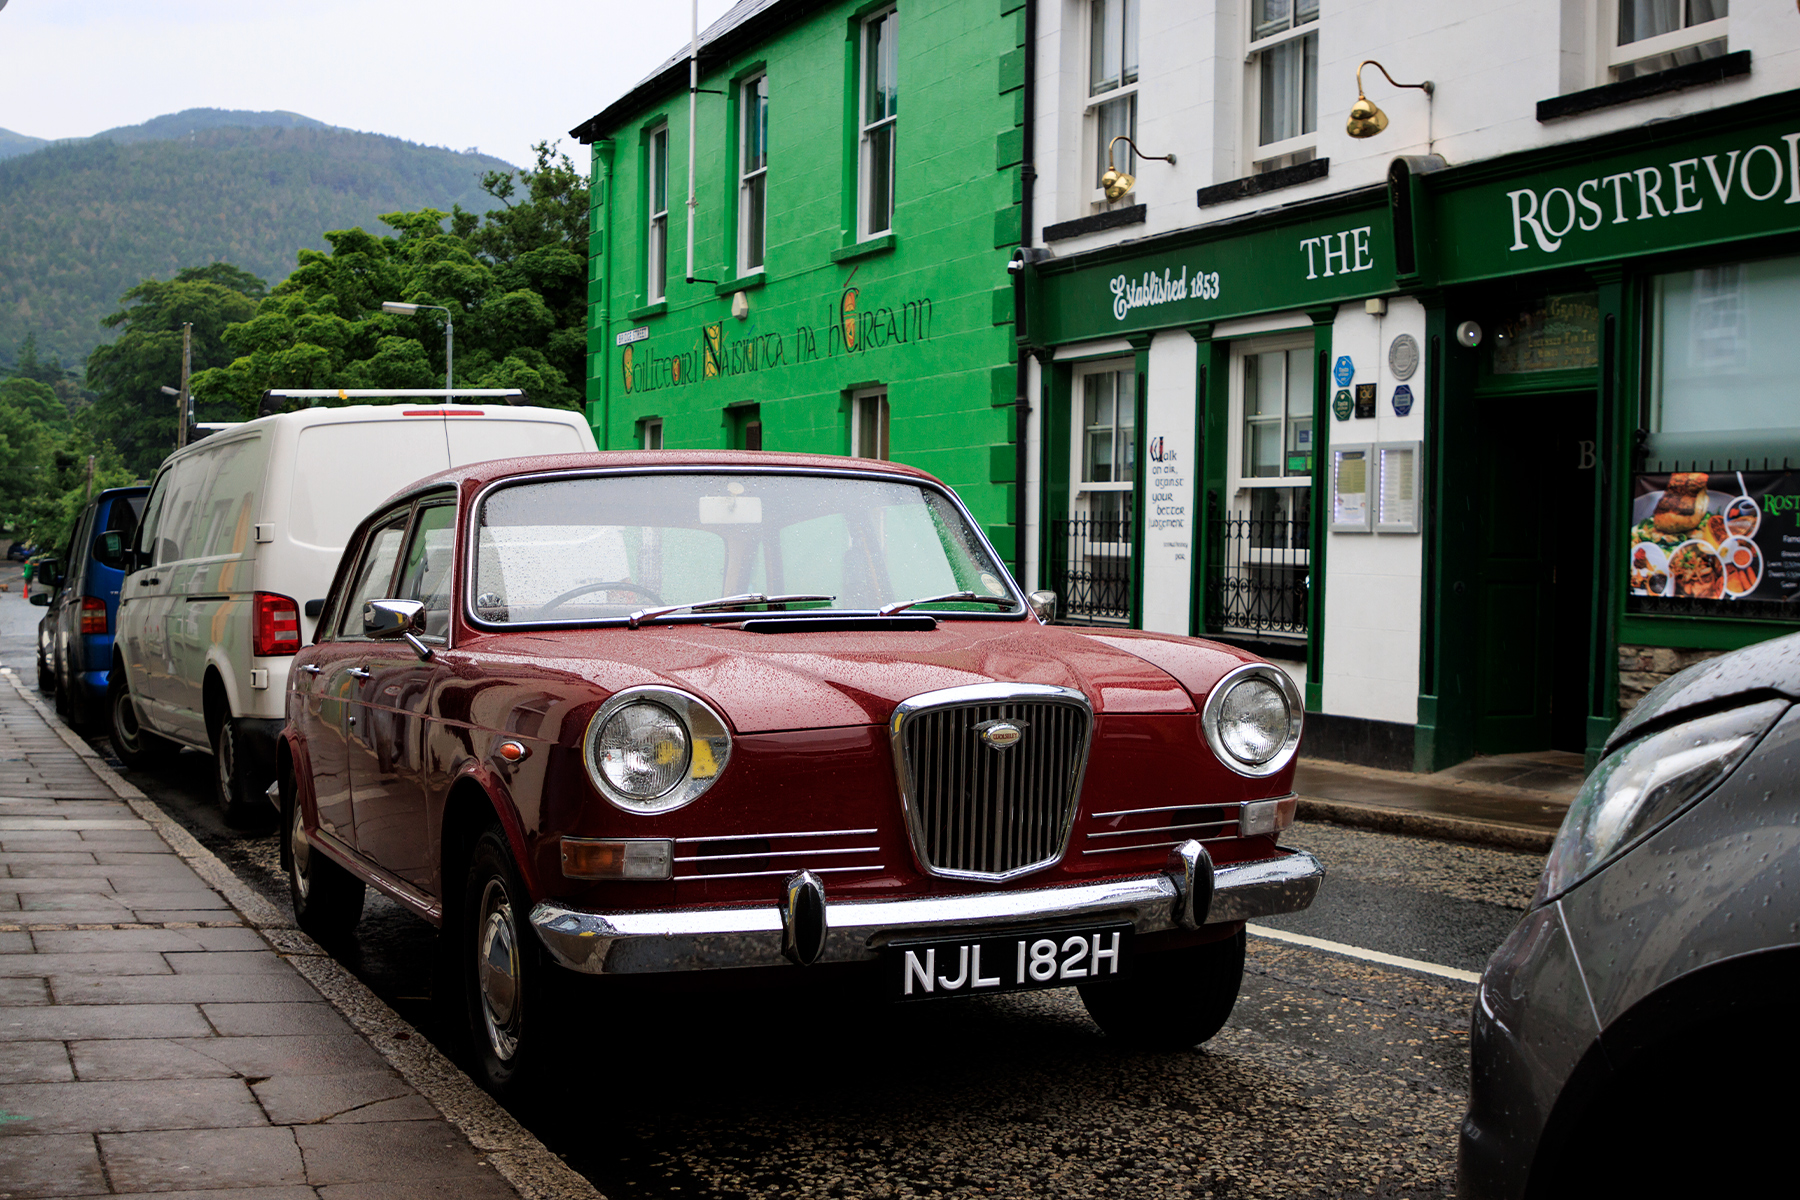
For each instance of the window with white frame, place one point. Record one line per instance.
(657, 241)
(1112, 83)
(869, 424)
(1646, 36)
(1264, 533)
(650, 433)
(753, 173)
(1283, 82)
(879, 107)
(1092, 574)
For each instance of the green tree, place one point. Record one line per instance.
(35, 399)
(323, 326)
(128, 374)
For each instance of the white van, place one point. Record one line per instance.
(240, 535)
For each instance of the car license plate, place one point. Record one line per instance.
(1007, 962)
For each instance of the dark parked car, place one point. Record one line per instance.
(685, 715)
(1634, 1036)
(18, 552)
(76, 635)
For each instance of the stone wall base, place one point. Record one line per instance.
(1643, 667)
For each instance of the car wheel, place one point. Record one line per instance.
(235, 779)
(328, 900)
(46, 682)
(508, 982)
(136, 747)
(1172, 1000)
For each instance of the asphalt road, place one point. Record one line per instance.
(1335, 1077)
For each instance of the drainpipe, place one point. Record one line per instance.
(1022, 395)
(693, 200)
(601, 176)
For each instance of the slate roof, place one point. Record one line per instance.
(743, 24)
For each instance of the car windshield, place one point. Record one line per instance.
(598, 548)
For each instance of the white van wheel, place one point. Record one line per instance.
(236, 785)
(136, 747)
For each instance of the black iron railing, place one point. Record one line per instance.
(1092, 571)
(1260, 582)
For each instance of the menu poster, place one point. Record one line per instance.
(1720, 543)
(1350, 508)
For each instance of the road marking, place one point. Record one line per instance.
(1374, 956)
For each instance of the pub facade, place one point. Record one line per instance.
(1480, 426)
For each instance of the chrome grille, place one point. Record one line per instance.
(750, 856)
(977, 812)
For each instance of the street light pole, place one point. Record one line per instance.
(403, 309)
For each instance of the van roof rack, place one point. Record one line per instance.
(280, 400)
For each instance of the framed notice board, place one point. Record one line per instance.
(1351, 480)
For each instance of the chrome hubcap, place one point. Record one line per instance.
(497, 970)
(222, 752)
(125, 720)
(299, 851)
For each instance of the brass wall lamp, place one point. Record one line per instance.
(1117, 182)
(1366, 120)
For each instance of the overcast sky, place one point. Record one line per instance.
(495, 77)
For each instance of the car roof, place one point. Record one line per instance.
(482, 473)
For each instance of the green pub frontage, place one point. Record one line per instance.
(836, 286)
(1479, 456)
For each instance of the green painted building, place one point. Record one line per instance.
(839, 282)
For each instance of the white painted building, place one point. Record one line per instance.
(1195, 463)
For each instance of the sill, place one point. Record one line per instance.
(880, 244)
(743, 283)
(1711, 70)
(1268, 181)
(649, 310)
(1134, 215)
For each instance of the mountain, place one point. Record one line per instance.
(18, 143)
(83, 220)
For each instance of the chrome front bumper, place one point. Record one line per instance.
(855, 930)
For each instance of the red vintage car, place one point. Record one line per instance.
(681, 714)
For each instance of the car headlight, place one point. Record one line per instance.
(653, 749)
(1252, 719)
(1641, 787)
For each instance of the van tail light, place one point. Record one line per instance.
(277, 629)
(93, 615)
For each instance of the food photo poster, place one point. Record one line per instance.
(1708, 542)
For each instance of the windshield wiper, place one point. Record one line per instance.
(888, 610)
(650, 614)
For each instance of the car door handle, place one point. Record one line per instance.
(358, 672)
(312, 668)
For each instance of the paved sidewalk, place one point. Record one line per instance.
(164, 1030)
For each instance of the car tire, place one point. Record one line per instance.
(1172, 1000)
(137, 747)
(237, 785)
(328, 900)
(46, 679)
(510, 986)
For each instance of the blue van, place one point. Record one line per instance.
(84, 611)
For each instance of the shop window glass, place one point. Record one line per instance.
(1092, 571)
(1723, 363)
(1278, 400)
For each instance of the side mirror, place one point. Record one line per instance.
(41, 599)
(109, 550)
(393, 618)
(1044, 605)
(388, 619)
